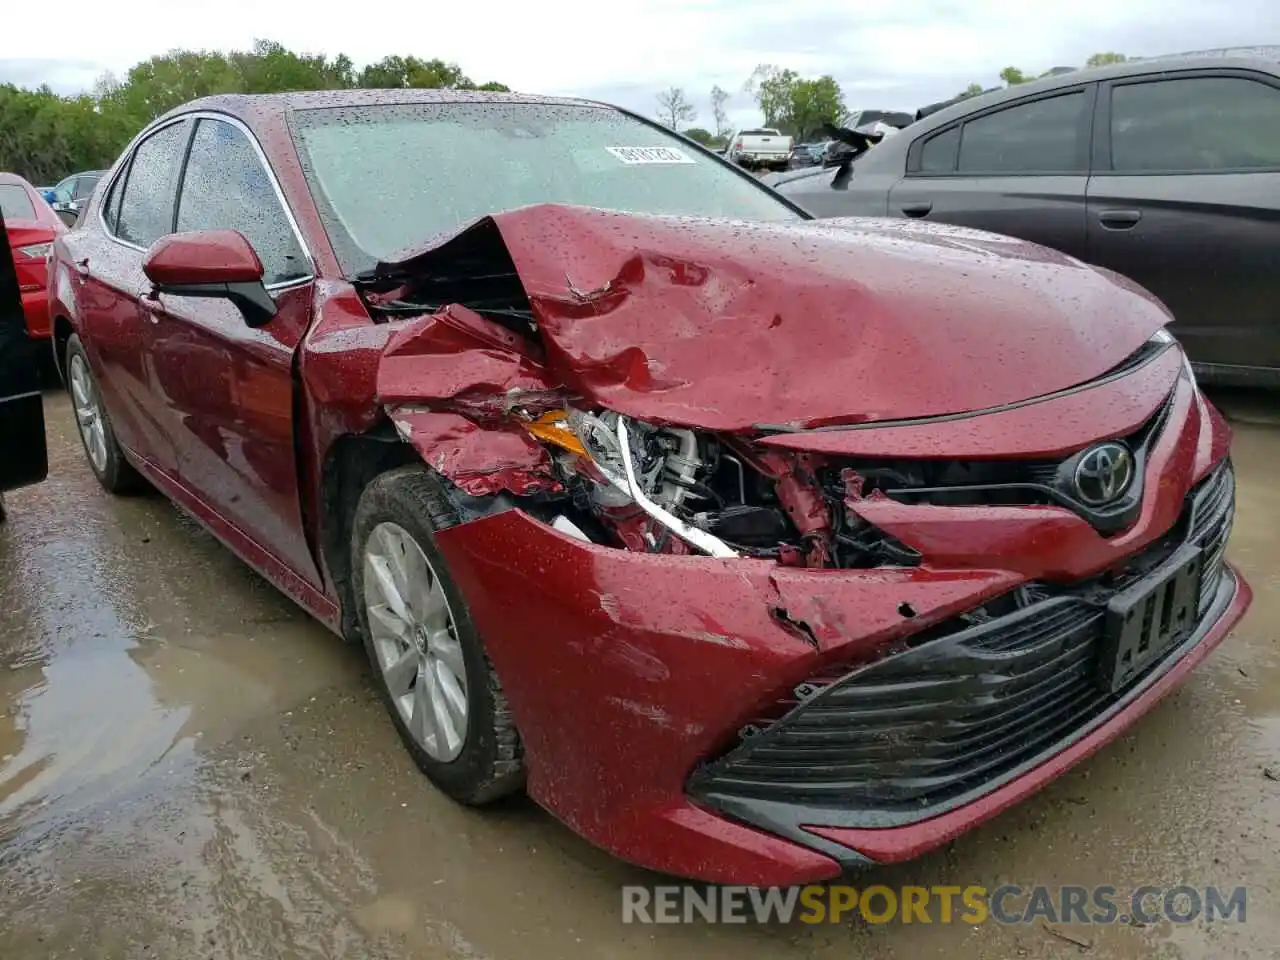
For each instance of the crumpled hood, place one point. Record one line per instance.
(727, 325)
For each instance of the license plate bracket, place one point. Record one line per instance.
(1145, 621)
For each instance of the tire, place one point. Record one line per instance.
(398, 511)
(102, 451)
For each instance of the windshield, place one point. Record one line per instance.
(388, 178)
(15, 202)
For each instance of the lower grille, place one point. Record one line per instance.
(921, 730)
(1213, 510)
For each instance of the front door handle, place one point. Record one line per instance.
(149, 304)
(1119, 219)
(916, 208)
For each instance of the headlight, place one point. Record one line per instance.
(1191, 374)
(37, 251)
(614, 445)
(1163, 336)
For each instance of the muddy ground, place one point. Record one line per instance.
(191, 768)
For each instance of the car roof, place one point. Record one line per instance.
(12, 178)
(259, 106)
(1262, 59)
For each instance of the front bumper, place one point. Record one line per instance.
(632, 675)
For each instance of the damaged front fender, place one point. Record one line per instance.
(449, 382)
(481, 461)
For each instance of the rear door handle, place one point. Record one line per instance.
(1119, 219)
(916, 208)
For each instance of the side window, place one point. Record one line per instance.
(84, 187)
(1195, 124)
(146, 207)
(227, 187)
(939, 152)
(111, 203)
(1038, 137)
(65, 191)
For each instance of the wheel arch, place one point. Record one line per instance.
(62, 333)
(351, 463)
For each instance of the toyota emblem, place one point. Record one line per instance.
(1104, 474)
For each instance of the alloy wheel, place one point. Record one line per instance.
(415, 639)
(84, 397)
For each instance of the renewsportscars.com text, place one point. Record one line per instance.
(974, 904)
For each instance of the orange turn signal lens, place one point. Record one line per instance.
(553, 428)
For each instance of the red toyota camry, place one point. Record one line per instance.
(32, 227)
(752, 547)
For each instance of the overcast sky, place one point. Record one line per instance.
(884, 53)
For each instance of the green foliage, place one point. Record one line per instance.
(44, 137)
(704, 137)
(1105, 59)
(795, 105)
(405, 72)
(1013, 76)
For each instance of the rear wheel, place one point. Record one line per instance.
(100, 446)
(428, 662)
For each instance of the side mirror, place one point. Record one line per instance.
(69, 217)
(211, 263)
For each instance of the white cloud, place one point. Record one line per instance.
(888, 54)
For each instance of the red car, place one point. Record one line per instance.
(33, 226)
(752, 547)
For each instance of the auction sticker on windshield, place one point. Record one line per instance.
(634, 155)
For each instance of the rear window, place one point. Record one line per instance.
(15, 202)
(894, 118)
(388, 178)
(1042, 136)
(760, 133)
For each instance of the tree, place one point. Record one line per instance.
(405, 72)
(972, 90)
(773, 87)
(793, 104)
(813, 103)
(44, 137)
(1105, 59)
(674, 108)
(704, 137)
(719, 97)
(1012, 76)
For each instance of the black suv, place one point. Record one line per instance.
(1166, 170)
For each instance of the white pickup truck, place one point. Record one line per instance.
(761, 147)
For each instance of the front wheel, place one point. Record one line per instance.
(106, 459)
(428, 662)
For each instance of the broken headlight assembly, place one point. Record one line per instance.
(630, 463)
(668, 489)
